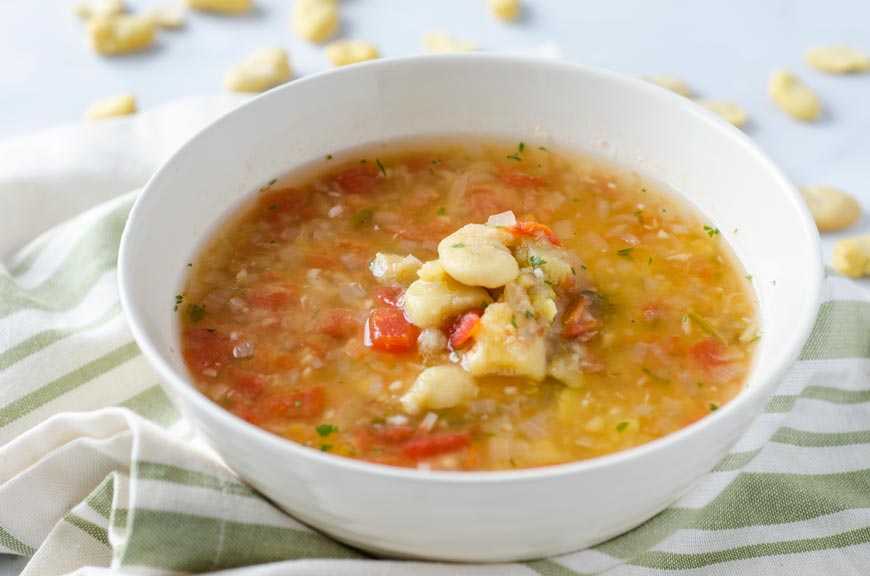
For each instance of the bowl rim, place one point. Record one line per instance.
(183, 385)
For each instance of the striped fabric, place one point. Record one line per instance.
(97, 469)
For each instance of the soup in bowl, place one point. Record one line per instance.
(436, 322)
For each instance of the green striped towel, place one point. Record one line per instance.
(97, 469)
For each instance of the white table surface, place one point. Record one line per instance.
(726, 49)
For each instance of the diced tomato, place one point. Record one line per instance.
(304, 403)
(517, 179)
(338, 322)
(709, 352)
(247, 383)
(322, 262)
(365, 438)
(276, 204)
(652, 311)
(246, 413)
(204, 348)
(390, 295)
(429, 446)
(357, 180)
(483, 202)
(268, 299)
(387, 329)
(536, 230)
(464, 327)
(581, 318)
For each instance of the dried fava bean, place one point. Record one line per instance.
(832, 209)
(344, 52)
(120, 105)
(838, 59)
(852, 256)
(729, 112)
(793, 96)
(222, 6)
(439, 387)
(315, 20)
(440, 42)
(260, 71)
(507, 10)
(670, 82)
(168, 16)
(111, 35)
(98, 8)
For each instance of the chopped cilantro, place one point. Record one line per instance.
(574, 272)
(362, 218)
(458, 245)
(638, 214)
(363, 161)
(513, 464)
(773, 282)
(711, 231)
(643, 190)
(649, 262)
(537, 261)
(748, 277)
(656, 377)
(272, 181)
(625, 251)
(195, 313)
(584, 266)
(325, 447)
(271, 241)
(700, 384)
(326, 429)
(521, 147)
(542, 149)
(514, 156)
(190, 264)
(273, 207)
(329, 156)
(514, 321)
(210, 330)
(297, 404)
(530, 314)
(736, 230)
(381, 166)
(442, 210)
(178, 300)
(756, 339)
(713, 407)
(622, 426)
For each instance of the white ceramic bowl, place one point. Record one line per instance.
(474, 516)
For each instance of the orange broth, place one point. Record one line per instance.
(277, 322)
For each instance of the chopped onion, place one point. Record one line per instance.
(237, 304)
(242, 273)
(243, 349)
(335, 211)
(535, 428)
(397, 420)
(428, 421)
(351, 293)
(481, 406)
(210, 372)
(505, 220)
(216, 299)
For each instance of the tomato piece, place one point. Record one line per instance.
(304, 403)
(247, 383)
(483, 202)
(429, 446)
(365, 438)
(536, 230)
(517, 179)
(268, 299)
(204, 348)
(464, 327)
(581, 317)
(709, 352)
(357, 180)
(322, 262)
(276, 204)
(652, 311)
(388, 330)
(247, 414)
(390, 295)
(338, 323)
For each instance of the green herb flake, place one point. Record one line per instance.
(643, 190)
(442, 211)
(514, 322)
(513, 464)
(362, 218)
(584, 267)
(705, 325)
(537, 261)
(458, 245)
(326, 429)
(625, 251)
(530, 314)
(273, 207)
(195, 313)
(748, 277)
(190, 264)
(713, 407)
(298, 403)
(272, 181)
(363, 161)
(711, 231)
(178, 300)
(542, 149)
(521, 147)
(756, 339)
(574, 272)
(700, 384)
(210, 330)
(329, 156)
(514, 156)
(622, 426)
(325, 447)
(649, 262)
(381, 166)
(655, 377)
(638, 214)
(489, 434)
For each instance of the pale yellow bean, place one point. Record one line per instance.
(98, 8)
(728, 111)
(852, 256)
(344, 52)
(832, 209)
(315, 20)
(120, 105)
(670, 82)
(439, 42)
(120, 34)
(507, 10)
(794, 97)
(838, 59)
(170, 17)
(260, 71)
(221, 6)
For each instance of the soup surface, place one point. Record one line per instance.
(474, 306)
